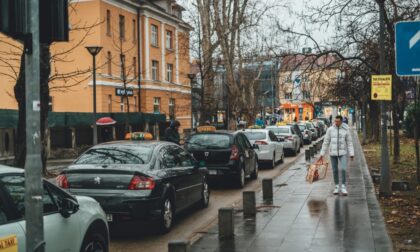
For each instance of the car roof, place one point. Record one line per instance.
(278, 126)
(132, 143)
(8, 169)
(254, 130)
(218, 132)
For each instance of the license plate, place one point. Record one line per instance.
(9, 244)
(109, 217)
(212, 172)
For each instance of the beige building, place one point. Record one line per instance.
(128, 30)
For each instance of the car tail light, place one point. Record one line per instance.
(289, 137)
(62, 181)
(141, 183)
(261, 142)
(235, 153)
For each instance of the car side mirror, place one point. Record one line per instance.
(68, 207)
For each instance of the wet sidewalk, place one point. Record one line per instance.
(308, 217)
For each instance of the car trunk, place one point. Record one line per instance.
(110, 177)
(213, 157)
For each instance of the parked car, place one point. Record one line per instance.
(314, 130)
(139, 180)
(307, 133)
(325, 120)
(319, 128)
(228, 156)
(270, 150)
(322, 126)
(298, 131)
(290, 139)
(71, 223)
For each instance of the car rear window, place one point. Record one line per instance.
(302, 127)
(209, 141)
(284, 130)
(117, 155)
(255, 135)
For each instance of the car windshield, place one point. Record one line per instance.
(302, 127)
(208, 141)
(309, 125)
(117, 155)
(255, 135)
(280, 130)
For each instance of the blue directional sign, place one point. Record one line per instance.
(407, 48)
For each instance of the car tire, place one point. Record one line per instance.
(94, 241)
(294, 152)
(273, 162)
(240, 180)
(166, 216)
(298, 150)
(205, 193)
(282, 158)
(254, 174)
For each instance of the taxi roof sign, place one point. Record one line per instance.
(254, 127)
(206, 128)
(138, 136)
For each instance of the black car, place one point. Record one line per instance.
(139, 180)
(227, 155)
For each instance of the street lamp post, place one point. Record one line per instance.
(191, 76)
(94, 50)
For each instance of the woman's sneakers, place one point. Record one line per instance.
(344, 190)
(336, 190)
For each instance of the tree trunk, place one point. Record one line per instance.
(396, 129)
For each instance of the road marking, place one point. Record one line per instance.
(414, 39)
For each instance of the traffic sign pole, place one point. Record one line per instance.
(33, 164)
(385, 184)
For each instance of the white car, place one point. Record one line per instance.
(270, 149)
(70, 223)
(290, 139)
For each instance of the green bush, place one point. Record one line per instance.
(409, 122)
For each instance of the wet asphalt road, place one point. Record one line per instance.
(193, 223)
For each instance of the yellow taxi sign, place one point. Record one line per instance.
(206, 128)
(9, 244)
(381, 87)
(254, 127)
(138, 136)
(281, 124)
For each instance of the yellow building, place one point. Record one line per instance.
(128, 30)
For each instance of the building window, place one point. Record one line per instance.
(288, 96)
(155, 37)
(109, 103)
(134, 30)
(109, 62)
(135, 67)
(306, 94)
(155, 70)
(122, 73)
(172, 108)
(122, 27)
(169, 70)
(108, 22)
(156, 105)
(122, 107)
(168, 39)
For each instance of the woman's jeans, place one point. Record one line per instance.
(334, 164)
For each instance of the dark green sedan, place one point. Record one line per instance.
(139, 180)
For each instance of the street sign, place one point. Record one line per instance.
(381, 87)
(407, 48)
(124, 92)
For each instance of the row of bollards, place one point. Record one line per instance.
(226, 216)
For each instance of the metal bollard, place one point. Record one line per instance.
(312, 151)
(308, 155)
(226, 223)
(178, 246)
(267, 187)
(249, 203)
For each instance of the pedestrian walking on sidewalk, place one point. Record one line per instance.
(171, 133)
(340, 145)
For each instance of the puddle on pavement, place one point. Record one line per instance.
(316, 207)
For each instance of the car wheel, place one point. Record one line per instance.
(254, 175)
(241, 178)
(205, 195)
(273, 162)
(294, 152)
(282, 158)
(166, 216)
(94, 242)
